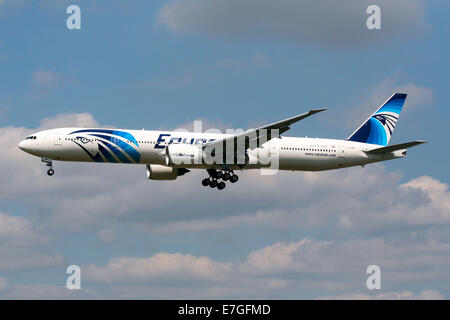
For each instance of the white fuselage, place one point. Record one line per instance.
(149, 147)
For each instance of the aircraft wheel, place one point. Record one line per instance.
(206, 182)
(221, 185)
(234, 178)
(226, 176)
(50, 172)
(219, 174)
(213, 183)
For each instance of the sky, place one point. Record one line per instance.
(232, 64)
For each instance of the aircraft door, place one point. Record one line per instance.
(340, 155)
(273, 147)
(58, 140)
(274, 153)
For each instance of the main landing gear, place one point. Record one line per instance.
(48, 161)
(216, 175)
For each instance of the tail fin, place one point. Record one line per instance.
(379, 127)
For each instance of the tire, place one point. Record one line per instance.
(50, 172)
(226, 176)
(234, 178)
(221, 185)
(206, 182)
(219, 174)
(213, 184)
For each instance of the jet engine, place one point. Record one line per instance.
(159, 172)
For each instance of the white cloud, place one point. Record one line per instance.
(281, 257)
(305, 265)
(404, 295)
(16, 258)
(166, 267)
(328, 23)
(20, 245)
(69, 120)
(430, 295)
(45, 291)
(437, 210)
(18, 231)
(351, 257)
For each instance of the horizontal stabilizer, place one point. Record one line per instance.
(395, 147)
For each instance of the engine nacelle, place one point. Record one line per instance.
(184, 154)
(159, 172)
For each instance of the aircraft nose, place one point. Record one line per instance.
(23, 146)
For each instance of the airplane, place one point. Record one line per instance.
(171, 154)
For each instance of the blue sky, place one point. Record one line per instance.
(163, 64)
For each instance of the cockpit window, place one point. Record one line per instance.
(30, 138)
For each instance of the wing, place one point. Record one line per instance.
(253, 137)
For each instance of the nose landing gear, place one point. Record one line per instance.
(48, 162)
(216, 175)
